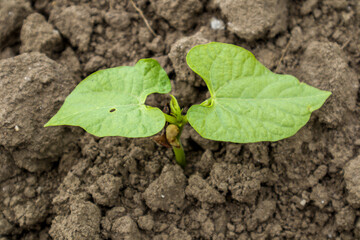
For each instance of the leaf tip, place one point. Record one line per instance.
(49, 123)
(327, 94)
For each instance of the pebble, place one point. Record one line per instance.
(217, 24)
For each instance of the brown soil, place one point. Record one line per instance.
(62, 183)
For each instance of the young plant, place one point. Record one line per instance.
(248, 102)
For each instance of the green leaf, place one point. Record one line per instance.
(248, 103)
(111, 102)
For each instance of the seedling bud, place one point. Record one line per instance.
(172, 132)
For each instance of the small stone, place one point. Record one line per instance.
(217, 24)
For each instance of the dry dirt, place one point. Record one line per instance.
(62, 183)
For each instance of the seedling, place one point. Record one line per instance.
(248, 102)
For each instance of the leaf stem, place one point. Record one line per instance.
(170, 119)
(179, 154)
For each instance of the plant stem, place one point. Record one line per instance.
(176, 118)
(180, 155)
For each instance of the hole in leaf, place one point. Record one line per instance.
(112, 110)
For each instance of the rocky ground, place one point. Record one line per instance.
(62, 183)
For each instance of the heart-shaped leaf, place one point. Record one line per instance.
(248, 103)
(111, 102)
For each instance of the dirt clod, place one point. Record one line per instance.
(105, 190)
(12, 14)
(345, 219)
(146, 222)
(176, 233)
(320, 196)
(5, 226)
(125, 228)
(177, 56)
(308, 6)
(264, 210)
(32, 87)
(243, 181)
(205, 164)
(167, 193)
(82, 223)
(202, 191)
(338, 78)
(75, 24)
(186, 79)
(37, 35)
(252, 20)
(179, 13)
(95, 63)
(352, 179)
(117, 19)
(8, 168)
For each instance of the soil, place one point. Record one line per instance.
(62, 183)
